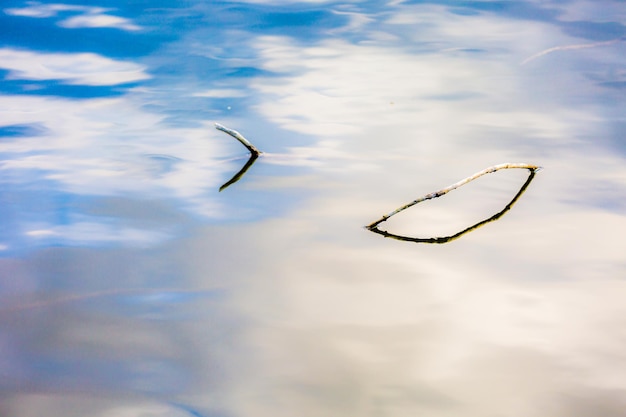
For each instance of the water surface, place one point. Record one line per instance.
(130, 285)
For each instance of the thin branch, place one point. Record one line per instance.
(253, 150)
(532, 168)
(457, 235)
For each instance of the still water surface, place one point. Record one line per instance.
(131, 286)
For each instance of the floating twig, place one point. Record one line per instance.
(254, 154)
(457, 235)
(253, 150)
(373, 227)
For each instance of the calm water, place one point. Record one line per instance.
(131, 286)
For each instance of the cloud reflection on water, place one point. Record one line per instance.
(98, 147)
(88, 16)
(349, 328)
(360, 111)
(85, 68)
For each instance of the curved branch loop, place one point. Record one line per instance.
(373, 227)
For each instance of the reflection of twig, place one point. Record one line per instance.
(570, 47)
(240, 173)
(374, 225)
(240, 138)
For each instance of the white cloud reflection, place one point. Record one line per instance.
(361, 93)
(413, 85)
(88, 17)
(220, 93)
(106, 148)
(38, 10)
(98, 21)
(350, 324)
(78, 68)
(589, 10)
(97, 232)
(438, 93)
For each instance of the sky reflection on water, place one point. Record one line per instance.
(129, 285)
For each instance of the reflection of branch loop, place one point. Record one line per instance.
(373, 227)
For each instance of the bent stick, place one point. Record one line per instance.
(533, 168)
(446, 239)
(253, 150)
